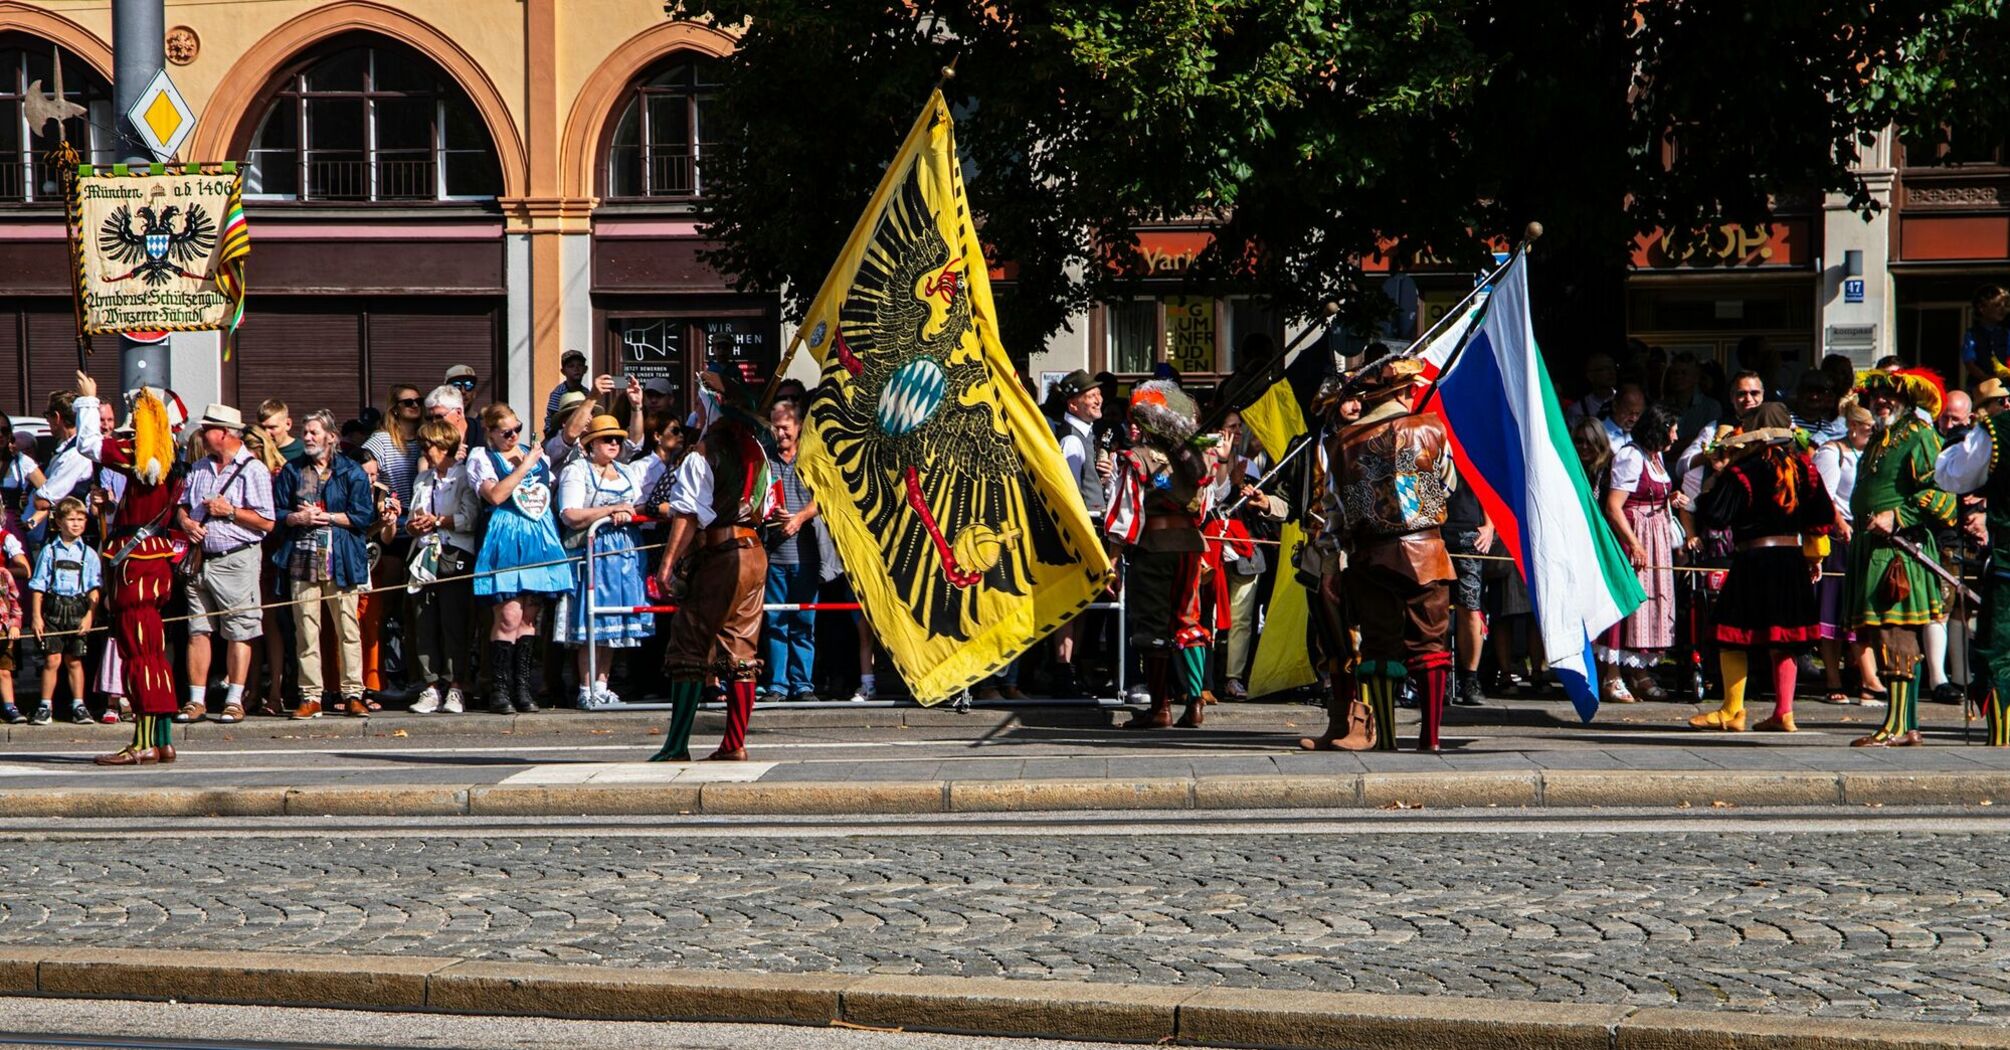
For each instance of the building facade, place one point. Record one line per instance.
(428, 183)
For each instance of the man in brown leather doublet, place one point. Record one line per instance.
(1391, 476)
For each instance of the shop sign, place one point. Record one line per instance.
(1851, 336)
(1190, 333)
(1728, 246)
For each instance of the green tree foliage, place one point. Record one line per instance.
(1316, 132)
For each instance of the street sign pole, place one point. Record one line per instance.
(139, 38)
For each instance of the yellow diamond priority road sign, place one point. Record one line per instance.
(161, 118)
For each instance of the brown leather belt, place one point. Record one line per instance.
(718, 534)
(1158, 522)
(1769, 541)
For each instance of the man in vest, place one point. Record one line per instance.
(715, 566)
(1083, 402)
(1975, 466)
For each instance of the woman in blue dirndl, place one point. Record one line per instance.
(521, 561)
(600, 486)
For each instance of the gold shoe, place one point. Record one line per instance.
(1719, 719)
(1783, 723)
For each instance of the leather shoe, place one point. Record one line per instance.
(355, 707)
(144, 756)
(307, 709)
(727, 756)
(166, 753)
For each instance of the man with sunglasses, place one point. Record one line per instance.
(464, 379)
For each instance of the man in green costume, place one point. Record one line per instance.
(1891, 595)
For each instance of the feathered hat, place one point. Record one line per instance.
(1922, 388)
(1164, 411)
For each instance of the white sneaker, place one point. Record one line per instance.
(586, 701)
(427, 703)
(860, 695)
(453, 703)
(605, 697)
(1138, 694)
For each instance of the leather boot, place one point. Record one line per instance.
(525, 677)
(1360, 728)
(1160, 715)
(1337, 707)
(502, 664)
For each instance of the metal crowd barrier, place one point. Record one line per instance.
(593, 609)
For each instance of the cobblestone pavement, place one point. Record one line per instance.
(1881, 924)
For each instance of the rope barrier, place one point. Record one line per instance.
(574, 559)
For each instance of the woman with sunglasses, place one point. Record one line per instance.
(521, 562)
(20, 476)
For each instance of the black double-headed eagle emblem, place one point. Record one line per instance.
(158, 240)
(910, 416)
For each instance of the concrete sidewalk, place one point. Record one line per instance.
(895, 760)
(1286, 1020)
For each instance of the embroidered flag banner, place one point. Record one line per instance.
(958, 522)
(158, 249)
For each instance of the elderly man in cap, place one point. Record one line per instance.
(227, 509)
(1082, 403)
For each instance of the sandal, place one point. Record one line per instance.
(232, 714)
(1837, 696)
(192, 711)
(1874, 697)
(372, 704)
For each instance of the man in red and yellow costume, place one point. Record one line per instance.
(139, 563)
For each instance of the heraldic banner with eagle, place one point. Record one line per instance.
(958, 521)
(159, 250)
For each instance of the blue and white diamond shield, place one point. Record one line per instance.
(911, 396)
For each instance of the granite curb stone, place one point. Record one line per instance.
(1284, 1020)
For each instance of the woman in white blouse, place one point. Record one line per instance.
(1835, 461)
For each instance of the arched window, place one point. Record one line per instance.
(24, 172)
(659, 142)
(371, 122)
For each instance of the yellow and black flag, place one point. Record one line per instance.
(958, 521)
(1275, 419)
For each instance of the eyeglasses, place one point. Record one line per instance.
(409, 402)
(464, 384)
(509, 432)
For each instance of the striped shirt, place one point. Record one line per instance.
(791, 496)
(394, 468)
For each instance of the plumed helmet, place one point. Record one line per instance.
(1165, 412)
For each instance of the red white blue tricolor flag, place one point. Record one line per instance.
(1513, 447)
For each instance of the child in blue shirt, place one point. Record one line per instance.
(63, 593)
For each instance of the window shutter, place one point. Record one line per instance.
(52, 356)
(416, 344)
(308, 355)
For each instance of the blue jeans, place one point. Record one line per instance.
(789, 647)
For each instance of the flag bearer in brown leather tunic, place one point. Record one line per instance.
(1391, 474)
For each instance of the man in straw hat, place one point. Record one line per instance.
(1154, 517)
(1892, 596)
(139, 573)
(1391, 477)
(715, 565)
(227, 508)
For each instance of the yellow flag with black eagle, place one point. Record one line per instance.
(957, 519)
